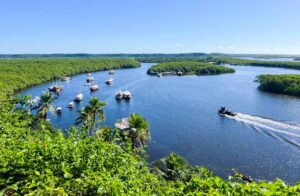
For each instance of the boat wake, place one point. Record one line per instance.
(284, 131)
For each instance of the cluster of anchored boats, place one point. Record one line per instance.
(57, 90)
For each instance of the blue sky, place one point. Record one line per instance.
(150, 26)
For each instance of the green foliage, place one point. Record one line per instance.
(41, 162)
(139, 132)
(237, 61)
(288, 84)
(189, 67)
(17, 74)
(91, 115)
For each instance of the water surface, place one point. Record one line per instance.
(261, 141)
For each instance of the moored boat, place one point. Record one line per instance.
(71, 105)
(90, 79)
(55, 88)
(111, 71)
(65, 78)
(119, 95)
(126, 95)
(159, 75)
(110, 81)
(94, 88)
(79, 97)
(58, 110)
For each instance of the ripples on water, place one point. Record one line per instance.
(182, 112)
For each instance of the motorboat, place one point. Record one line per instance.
(126, 95)
(71, 105)
(119, 95)
(110, 81)
(159, 75)
(55, 88)
(58, 110)
(224, 111)
(79, 97)
(65, 78)
(94, 88)
(111, 72)
(90, 79)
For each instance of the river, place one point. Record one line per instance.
(262, 141)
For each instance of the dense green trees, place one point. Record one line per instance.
(189, 67)
(16, 74)
(288, 84)
(236, 61)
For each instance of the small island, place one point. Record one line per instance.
(188, 68)
(287, 84)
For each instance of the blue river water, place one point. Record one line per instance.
(262, 141)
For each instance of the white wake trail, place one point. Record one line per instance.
(269, 124)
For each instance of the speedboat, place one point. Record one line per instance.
(110, 81)
(126, 95)
(79, 97)
(94, 88)
(224, 111)
(119, 95)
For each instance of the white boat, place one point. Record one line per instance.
(71, 105)
(58, 110)
(79, 97)
(94, 88)
(126, 95)
(119, 95)
(110, 81)
(65, 78)
(111, 72)
(90, 79)
(55, 88)
(159, 75)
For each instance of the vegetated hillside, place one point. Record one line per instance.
(288, 84)
(16, 74)
(36, 161)
(189, 67)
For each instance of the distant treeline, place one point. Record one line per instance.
(120, 55)
(17, 74)
(236, 61)
(297, 59)
(188, 68)
(288, 84)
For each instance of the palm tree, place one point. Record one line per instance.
(172, 167)
(139, 132)
(91, 114)
(45, 105)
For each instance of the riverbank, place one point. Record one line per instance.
(288, 84)
(18, 74)
(247, 62)
(188, 68)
